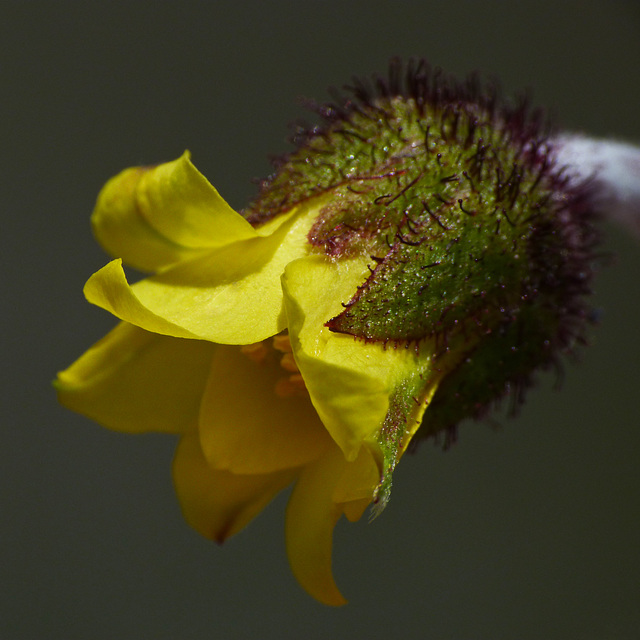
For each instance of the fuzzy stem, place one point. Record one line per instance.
(614, 169)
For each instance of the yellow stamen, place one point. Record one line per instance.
(288, 363)
(281, 343)
(257, 351)
(291, 386)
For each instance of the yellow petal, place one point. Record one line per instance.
(231, 295)
(215, 503)
(152, 217)
(311, 517)
(326, 489)
(136, 381)
(354, 509)
(357, 484)
(349, 380)
(245, 427)
(359, 478)
(351, 402)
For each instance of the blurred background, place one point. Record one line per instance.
(530, 530)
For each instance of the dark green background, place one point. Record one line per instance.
(531, 531)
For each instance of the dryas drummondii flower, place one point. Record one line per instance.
(414, 260)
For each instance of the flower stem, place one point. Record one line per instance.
(614, 169)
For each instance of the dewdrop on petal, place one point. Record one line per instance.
(424, 249)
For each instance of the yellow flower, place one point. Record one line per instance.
(423, 249)
(226, 346)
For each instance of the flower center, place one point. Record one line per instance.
(277, 351)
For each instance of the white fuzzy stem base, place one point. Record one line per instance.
(614, 169)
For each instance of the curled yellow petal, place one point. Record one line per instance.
(136, 381)
(342, 374)
(216, 503)
(231, 295)
(153, 217)
(324, 491)
(311, 517)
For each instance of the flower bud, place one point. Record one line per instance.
(417, 257)
(481, 242)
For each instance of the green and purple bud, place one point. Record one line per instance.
(481, 238)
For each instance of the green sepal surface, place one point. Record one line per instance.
(502, 362)
(392, 437)
(470, 273)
